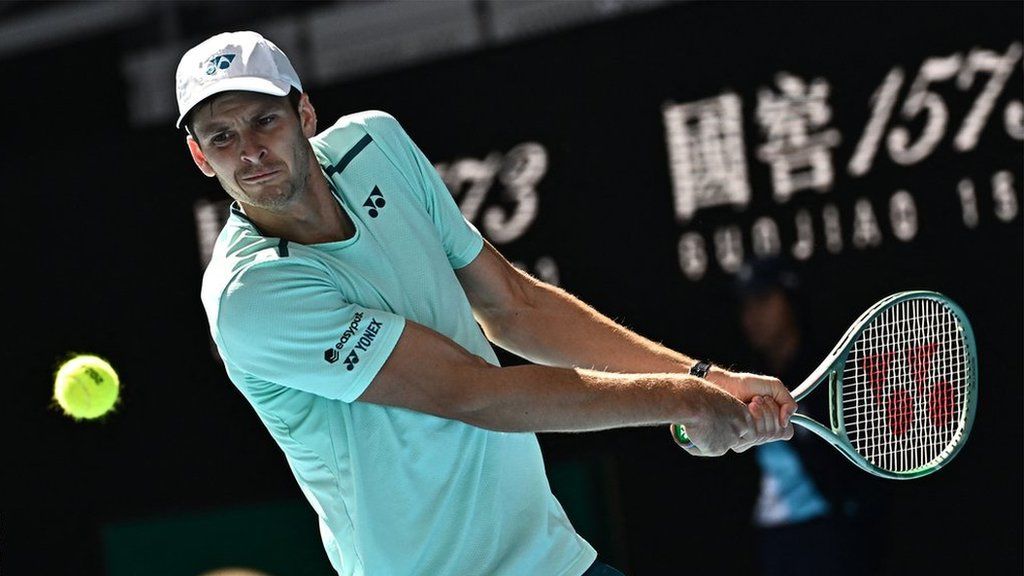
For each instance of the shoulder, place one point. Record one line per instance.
(243, 262)
(351, 128)
(367, 118)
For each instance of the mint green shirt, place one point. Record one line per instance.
(303, 330)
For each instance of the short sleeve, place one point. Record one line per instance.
(461, 240)
(286, 323)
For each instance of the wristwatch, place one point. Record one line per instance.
(700, 369)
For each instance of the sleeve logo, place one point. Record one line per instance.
(351, 360)
(366, 338)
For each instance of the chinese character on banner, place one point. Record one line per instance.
(797, 150)
(706, 157)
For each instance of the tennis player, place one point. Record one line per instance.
(354, 307)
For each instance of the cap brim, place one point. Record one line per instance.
(242, 83)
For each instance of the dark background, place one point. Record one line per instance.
(102, 257)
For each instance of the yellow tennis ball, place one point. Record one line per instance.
(86, 387)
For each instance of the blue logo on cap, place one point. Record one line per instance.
(220, 62)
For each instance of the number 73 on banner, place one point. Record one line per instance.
(923, 102)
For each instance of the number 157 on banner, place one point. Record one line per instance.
(922, 102)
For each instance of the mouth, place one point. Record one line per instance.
(260, 177)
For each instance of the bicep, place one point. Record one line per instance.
(494, 287)
(428, 372)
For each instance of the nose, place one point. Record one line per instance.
(252, 150)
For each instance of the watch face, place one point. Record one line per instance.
(700, 369)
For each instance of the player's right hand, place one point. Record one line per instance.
(717, 421)
(767, 424)
(746, 387)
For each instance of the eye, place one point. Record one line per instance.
(220, 138)
(266, 120)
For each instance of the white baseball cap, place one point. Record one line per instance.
(232, 61)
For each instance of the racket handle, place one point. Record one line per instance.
(679, 435)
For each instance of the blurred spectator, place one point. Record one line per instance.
(811, 500)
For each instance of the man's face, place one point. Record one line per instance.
(255, 145)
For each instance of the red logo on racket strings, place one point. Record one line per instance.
(942, 400)
(920, 359)
(876, 367)
(900, 411)
(899, 404)
(941, 404)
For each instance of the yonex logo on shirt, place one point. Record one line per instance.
(220, 62)
(351, 360)
(367, 338)
(375, 202)
(331, 355)
(364, 343)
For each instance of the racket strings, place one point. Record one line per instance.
(905, 386)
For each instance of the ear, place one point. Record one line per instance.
(198, 157)
(307, 116)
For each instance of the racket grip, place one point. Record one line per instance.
(679, 435)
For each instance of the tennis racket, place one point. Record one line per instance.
(903, 387)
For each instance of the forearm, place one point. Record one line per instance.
(545, 399)
(554, 328)
(430, 373)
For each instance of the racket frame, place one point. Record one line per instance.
(832, 368)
